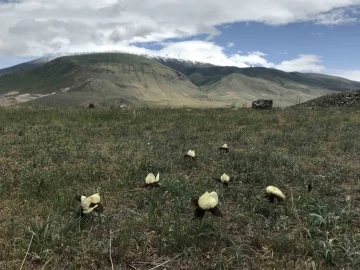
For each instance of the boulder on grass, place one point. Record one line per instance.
(262, 104)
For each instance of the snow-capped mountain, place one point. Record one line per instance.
(178, 57)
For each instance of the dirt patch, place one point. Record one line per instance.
(13, 98)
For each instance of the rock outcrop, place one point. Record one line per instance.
(344, 99)
(262, 104)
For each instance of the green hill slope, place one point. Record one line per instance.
(109, 78)
(201, 76)
(244, 89)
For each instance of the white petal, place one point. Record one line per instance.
(89, 209)
(225, 178)
(225, 146)
(157, 178)
(150, 178)
(215, 196)
(85, 203)
(95, 198)
(275, 191)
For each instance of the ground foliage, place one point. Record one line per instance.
(47, 156)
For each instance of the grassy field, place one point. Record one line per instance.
(47, 156)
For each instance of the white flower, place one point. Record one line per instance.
(224, 146)
(150, 178)
(88, 204)
(225, 178)
(274, 191)
(191, 153)
(208, 200)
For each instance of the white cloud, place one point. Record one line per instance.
(251, 59)
(348, 74)
(304, 63)
(230, 44)
(206, 52)
(337, 17)
(209, 52)
(35, 27)
(197, 50)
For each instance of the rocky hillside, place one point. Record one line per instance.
(344, 99)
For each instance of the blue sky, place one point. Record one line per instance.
(337, 45)
(299, 35)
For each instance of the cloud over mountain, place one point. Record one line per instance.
(38, 27)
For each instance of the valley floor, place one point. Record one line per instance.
(47, 156)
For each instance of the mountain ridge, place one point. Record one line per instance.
(136, 80)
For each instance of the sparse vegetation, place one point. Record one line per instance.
(50, 155)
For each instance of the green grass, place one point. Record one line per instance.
(50, 155)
